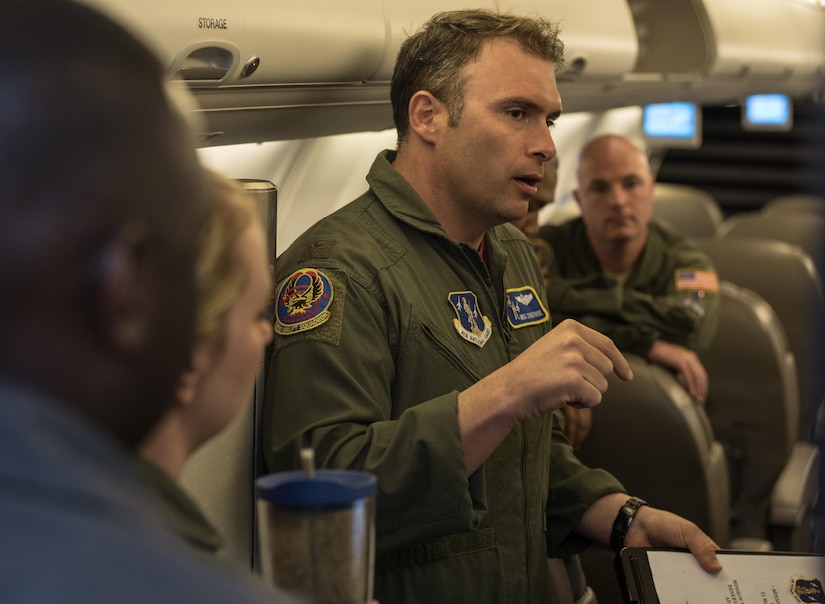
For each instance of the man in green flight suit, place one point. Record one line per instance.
(409, 325)
(647, 288)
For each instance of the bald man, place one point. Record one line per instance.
(650, 290)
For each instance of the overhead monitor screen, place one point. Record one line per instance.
(767, 112)
(677, 124)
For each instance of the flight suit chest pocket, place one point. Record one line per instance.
(440, 357)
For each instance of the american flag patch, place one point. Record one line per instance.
(694, 279)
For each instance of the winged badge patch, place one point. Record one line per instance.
(524, 307)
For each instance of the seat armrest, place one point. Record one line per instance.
(561, 591)
(588, 597)
(796, 489)
(568, 582)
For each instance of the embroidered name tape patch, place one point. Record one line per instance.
(469, 322)
(302, 302)
(524, 307)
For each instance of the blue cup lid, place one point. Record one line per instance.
(327, 487)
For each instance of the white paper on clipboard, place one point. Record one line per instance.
(746, 578)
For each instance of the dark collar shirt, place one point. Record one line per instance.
(78, 526)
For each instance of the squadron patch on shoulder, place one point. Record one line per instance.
(470, 323)
(543, 251)
(524, 307)
(302, 302)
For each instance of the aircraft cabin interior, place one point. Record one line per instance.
(292, 99)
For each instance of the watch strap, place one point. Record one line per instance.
(622, 523)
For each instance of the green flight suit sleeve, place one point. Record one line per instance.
(673, 291)
(332, 387)
(686, 317)
(573, 488)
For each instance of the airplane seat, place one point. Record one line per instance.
(803, 229)
(797, 202)
(753, 406)
(787, 279)
(568, 582)
(687, 210)
(660, 444)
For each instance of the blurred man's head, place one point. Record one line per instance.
(615, 191)
(529, 225)
(102, 199)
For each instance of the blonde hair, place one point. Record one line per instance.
(220, 276)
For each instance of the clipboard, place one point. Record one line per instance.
(777, 576)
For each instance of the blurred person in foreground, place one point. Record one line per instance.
(233, 289)
(102, 199)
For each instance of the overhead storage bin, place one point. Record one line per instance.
(276, 69)
(600, 43)
(404, 17)
(270, 69)
(600, 47)
(310, 42)
(762, 38)
(599, 35)
(718, 51)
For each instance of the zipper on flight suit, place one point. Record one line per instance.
(506, 330)
(525, 445)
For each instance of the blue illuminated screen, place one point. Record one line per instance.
(768, 110)
(676, 120)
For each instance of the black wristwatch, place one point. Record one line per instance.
(623, 519)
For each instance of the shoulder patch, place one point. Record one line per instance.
(524, 307)
(543, 251)
(469, 322)
(302, 302)
(693, 279)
